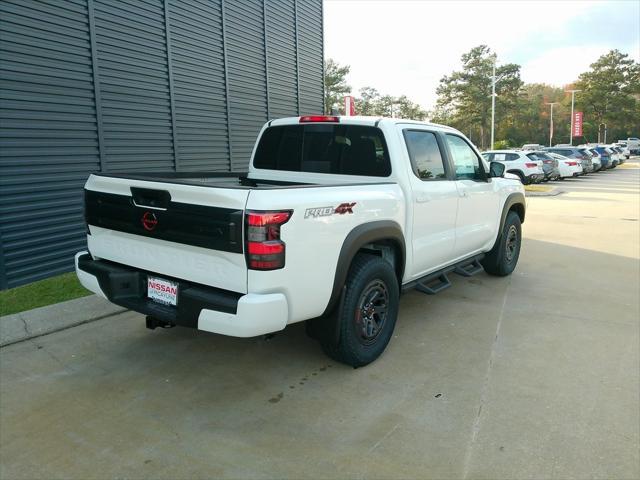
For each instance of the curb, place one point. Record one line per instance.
(53, 318)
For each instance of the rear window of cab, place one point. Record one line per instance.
(324, 148)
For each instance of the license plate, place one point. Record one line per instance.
(162, 291)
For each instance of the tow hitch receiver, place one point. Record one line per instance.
(153, 323)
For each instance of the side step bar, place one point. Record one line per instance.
(469, 269)
(430, 287)
(438, 281)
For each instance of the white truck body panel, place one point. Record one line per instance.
(313, 243)
(442, 222)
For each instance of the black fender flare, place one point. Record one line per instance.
(516, 171)
(382, 230)
(515, 198)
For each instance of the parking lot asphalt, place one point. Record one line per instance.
(531, 376)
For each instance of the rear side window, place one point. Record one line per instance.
(563, 152)
(324, 148)
(503, 157)
(425, 154)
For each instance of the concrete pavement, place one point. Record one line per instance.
(52, 318)
(531, 376)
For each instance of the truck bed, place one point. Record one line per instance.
(208, 179)
(232, 180)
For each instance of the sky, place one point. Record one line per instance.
(405, 47)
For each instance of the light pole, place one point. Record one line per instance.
(573, 95)
(551, 123)
(493, 101)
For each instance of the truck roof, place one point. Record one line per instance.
(364, 120)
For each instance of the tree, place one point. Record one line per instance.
(502, 145)
(372, 103)
(335, 84)
(465, 96)
(367, 103)
(527, 121)
(407, 109)
(611, 94)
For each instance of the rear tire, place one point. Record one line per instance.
(367, 316)
(503, 257)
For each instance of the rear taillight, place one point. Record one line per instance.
(264, 249)
(572, 164)
(547, 161)
(531, 165)
(319, 119)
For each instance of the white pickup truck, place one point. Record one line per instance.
(335, 217)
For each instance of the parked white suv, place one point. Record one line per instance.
(335, 217)
(619, 152)
(616, 156)
(518, 163)
(568, 167)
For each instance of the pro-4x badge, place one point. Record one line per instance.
(341, 209)
(345, 208)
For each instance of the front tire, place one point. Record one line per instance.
(503, 257)
(367, 316)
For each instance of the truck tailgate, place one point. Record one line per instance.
(171, 229)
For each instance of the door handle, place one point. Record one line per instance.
(463, 193)
(423, 198)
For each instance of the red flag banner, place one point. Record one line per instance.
(349, 106)
(577, 124)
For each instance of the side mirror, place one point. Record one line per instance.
(496, 169)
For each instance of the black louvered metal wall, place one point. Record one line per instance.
(135, 85)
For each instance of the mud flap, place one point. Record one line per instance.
(326, 329)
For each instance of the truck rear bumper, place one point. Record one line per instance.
(256, 315)
(198, 306)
